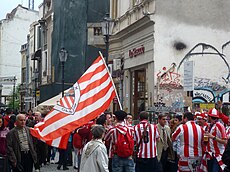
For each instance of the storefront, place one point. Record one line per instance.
(134, 45)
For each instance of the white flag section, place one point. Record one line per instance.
(90, 96)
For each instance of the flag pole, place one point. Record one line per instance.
(118, 99)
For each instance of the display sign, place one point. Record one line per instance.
(188, 76)
(28, 99)
(136, 51)
(8, 80)
(207, 105)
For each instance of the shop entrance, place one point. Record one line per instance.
(139, 93)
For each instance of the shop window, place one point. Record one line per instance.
(139, 93)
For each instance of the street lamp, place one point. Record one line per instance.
(107, 28)
(1, 86)
(63, 54)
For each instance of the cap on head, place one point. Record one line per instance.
(202, 116)
(213, 113)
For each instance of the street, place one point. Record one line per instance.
(53, 168)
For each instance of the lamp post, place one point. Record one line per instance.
(107, 28)
(1, 86)
(63, 54)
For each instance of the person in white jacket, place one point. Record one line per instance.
(94, 156)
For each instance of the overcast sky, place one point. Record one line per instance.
(6, 6)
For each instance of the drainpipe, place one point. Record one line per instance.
(27, 70)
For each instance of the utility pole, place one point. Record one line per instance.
(27, 70)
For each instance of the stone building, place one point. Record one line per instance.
(154, 39)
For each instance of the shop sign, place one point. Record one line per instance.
(8, 80)
(207, 105)
(136, 51)
(207, 95)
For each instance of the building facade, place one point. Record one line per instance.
(155, 39)
(60, 27)
(13, 33)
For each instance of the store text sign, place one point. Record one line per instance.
(136, 51)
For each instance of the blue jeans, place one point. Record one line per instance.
(122, 164)
(213, 165)
(148, 165)
(53, 152)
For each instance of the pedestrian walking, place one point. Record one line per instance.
(4, 167)
(164, 141)
(20, 147)
(121, 139)
(216, 141)
(191, 139)
(94, 156)
(145, 136)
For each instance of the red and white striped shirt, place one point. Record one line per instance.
(217, 130)
(146, 150)
(111, 136)
(191, 137)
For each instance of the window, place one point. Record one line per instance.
(114, 9)
(97, 31)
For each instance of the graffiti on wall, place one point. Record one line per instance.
(206, 90)
(207, 83)
(169, 78)
(172, 100)
(168, 89)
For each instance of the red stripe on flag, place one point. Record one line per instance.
(88, 76)
(95, 84)
(91, 100)
(83, 120)
(82, 79)
(57, 124)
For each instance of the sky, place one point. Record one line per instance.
(6, 6)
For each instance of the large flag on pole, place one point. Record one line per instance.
(88, 98)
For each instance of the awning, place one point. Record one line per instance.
(47, 105)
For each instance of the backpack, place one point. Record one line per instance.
(77, 141)
(125, 145)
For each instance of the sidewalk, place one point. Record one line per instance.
(53, 167)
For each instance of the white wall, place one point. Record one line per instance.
(191, 24)
(14, 33)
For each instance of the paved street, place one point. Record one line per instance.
(53, 167)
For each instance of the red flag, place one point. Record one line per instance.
(88, 98)
(60, 142)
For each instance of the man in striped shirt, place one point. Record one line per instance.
(191, 139)
(217, 141)
(119, 164)
(145, 136)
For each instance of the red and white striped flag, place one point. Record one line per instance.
(88, 98)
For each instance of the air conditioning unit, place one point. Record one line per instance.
(116, 64)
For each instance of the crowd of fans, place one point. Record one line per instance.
(112, 143)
